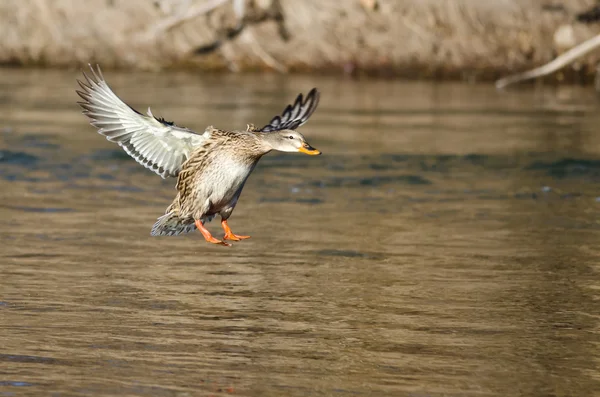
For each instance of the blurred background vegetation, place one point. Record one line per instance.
(464, 39)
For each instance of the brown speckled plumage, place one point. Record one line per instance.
(211, 168)
(248, 151)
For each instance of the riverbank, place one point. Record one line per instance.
(467, 39)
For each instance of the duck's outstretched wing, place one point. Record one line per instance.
(294, 115)
(155, 143)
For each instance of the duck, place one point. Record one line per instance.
(211, 168)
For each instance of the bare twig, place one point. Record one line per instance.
(559, 62)
(261, 53)
(239, 9)
(169, 23)
(222, 39)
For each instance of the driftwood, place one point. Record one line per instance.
(551, 67)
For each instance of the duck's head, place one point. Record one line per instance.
(289, 141)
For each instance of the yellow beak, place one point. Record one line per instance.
(307, 149)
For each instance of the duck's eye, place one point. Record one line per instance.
(291, 137)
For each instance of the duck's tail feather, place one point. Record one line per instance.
(171, 225)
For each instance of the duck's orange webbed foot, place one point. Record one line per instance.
(207, 236)
(229, 234)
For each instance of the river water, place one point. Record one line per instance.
(444, 244)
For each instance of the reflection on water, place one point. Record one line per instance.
(445, 244)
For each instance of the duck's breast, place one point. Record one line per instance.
(223, 179)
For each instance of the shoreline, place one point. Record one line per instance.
(464, 40)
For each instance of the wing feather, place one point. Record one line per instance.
(155, 143)
(295, 115)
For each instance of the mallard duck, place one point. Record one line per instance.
(211, 167)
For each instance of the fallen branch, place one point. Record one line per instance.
(559, 62)
(247, 36)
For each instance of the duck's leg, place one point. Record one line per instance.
(207, 236)
(229, 234)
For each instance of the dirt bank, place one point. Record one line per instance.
(458, 38)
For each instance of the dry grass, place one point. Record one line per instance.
(425, 37)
